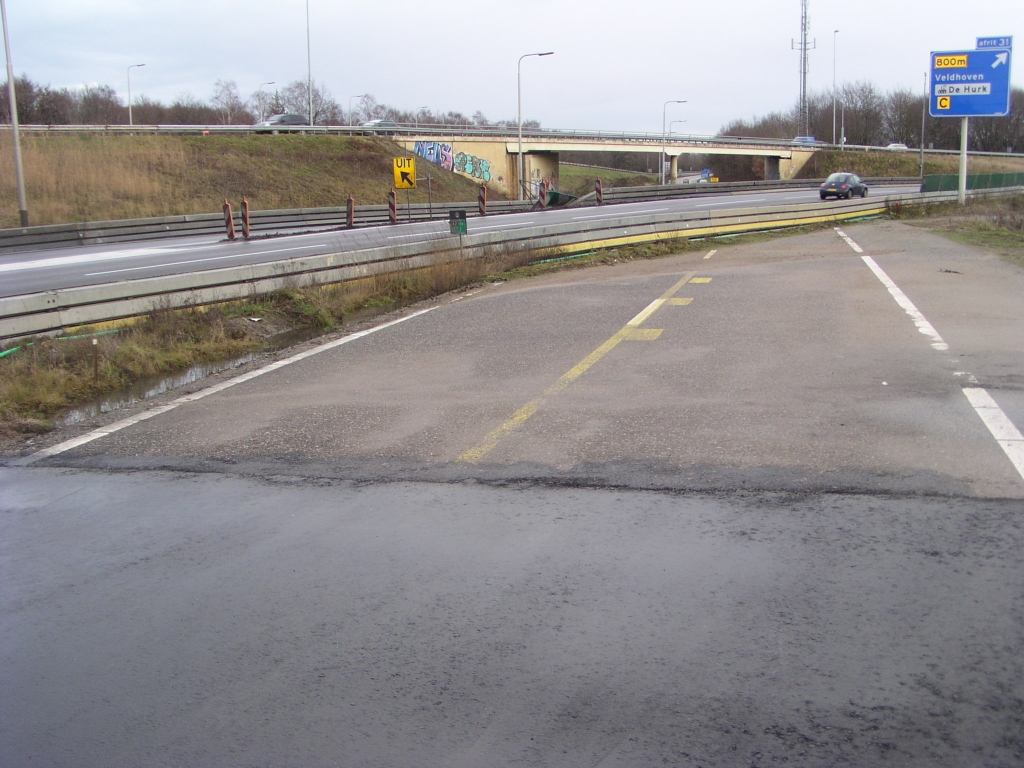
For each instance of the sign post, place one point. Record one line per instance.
(968, 84)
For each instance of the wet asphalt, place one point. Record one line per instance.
(773, 533)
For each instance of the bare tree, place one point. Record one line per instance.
(295, 98)
(229, 104)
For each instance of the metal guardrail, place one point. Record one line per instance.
(260, 222)
(55, 310)
(313, 219)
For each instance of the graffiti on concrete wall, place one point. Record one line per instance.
(442, 154)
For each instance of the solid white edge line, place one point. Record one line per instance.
(1003, 430)
(849, 240)
(908, 306)
(992, 416)
(117, 426)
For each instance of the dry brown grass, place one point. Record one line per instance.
(82, 177)
(901, 164)
(996, 224)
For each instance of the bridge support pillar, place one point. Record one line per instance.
(771, 169)
(673, 172)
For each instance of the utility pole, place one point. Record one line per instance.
(129, 76)
(804, 46)
(519, 91)
(309, 68)
(12, 102)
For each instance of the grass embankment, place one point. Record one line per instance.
(81, 177)
(579, 179)
(877, 163)
(44, 376)
(994, 224)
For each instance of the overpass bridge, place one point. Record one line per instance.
(492, 156)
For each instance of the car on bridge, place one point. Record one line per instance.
(277, 122)
(384, 127)
(843, 185)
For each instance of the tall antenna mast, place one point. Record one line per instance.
(804, 46)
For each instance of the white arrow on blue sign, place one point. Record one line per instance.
(970, 83)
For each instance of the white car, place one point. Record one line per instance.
(897, 145)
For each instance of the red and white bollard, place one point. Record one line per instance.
(392, 207)
(481, 200)
(350, 212)
(229, 220)
(599, 191)
(245, 217)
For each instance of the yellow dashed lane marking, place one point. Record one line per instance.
(631, 332)
(712, 253)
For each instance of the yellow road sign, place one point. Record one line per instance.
(942, 102)
(405, 173)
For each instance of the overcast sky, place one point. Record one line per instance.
(615, 63)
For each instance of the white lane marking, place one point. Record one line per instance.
(84, 258)
(711, 253)
(117, 426)
(735, 202)
(1003, 430)
(1006, 434)
(849, 241)
(908, 306)
(197, 261)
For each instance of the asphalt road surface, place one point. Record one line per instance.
(58, 268)
(748, 507)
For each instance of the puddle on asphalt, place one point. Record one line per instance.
(144, 389)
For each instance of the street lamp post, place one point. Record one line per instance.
(673, 123)
(351, 111)
(519, 84)
(834, 33)
(133, 66)
(260, 97)
(12, 102)
(309, 68)
(661, 167)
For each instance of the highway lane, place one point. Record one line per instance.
(60, 268)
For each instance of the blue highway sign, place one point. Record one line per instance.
(970, 83)
(995, 42)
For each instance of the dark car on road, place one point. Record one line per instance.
(383, 127)
(843, 185)
(285, 121)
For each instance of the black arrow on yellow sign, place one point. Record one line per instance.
(406, 178)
